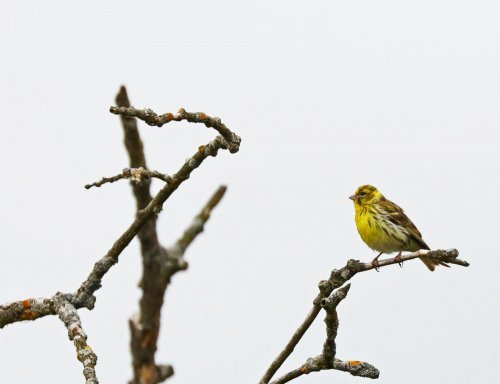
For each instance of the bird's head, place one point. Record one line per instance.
(366, 195)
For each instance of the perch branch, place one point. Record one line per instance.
(338, 278)
(136, 175)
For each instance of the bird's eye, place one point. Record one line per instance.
(362, 193)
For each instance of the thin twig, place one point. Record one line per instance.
(289, 376)
(337, 278)
(136, 175)
(110, 179)
(198, 223)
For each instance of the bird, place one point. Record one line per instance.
(384, 226)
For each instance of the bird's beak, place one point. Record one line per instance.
(353, 197)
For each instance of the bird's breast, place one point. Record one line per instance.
(378, 233)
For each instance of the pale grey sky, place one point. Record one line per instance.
(326, 95)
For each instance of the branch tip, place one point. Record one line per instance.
(136, 175)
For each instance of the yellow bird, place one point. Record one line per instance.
(384, 227)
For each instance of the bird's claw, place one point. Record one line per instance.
(398, 259)
(375, 264)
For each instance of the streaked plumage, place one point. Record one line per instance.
(383, 225)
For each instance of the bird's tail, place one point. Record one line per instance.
(432, 264)
(429, 263)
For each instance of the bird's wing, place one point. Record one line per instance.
(396, 215)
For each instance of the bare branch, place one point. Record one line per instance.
(137, 159)
(318, 363)
(357, 368)
(145, 369)
(338, 278)
(151, 118)
(159, 263)
(327, 359)
(329, 304)
(30, 309)
(198, 223)
(145, 326)
(132, 139)
(290, 375)
(449, 256)
(69, 316)
(84, 296)
(136, 175)
(110, 179)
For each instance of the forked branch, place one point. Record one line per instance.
(160, 263)
(145, 326)
(171, 259)
(339, 277)
(327, 360)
